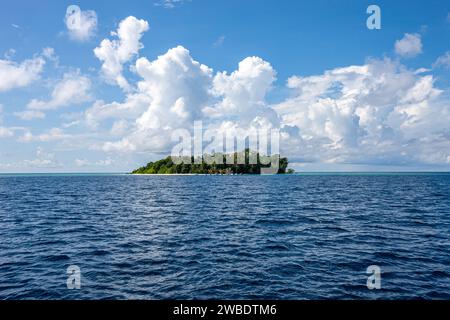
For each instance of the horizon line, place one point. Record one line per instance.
(296, 172)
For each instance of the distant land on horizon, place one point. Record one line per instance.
(167, 166)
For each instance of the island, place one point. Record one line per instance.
(200, 166)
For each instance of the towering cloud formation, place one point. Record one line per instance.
(174, 89)
(115, 53)
(380, 112)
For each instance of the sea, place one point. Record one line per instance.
(300, 236)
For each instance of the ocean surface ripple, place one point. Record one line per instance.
(225, 237)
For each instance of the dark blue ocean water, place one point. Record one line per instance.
(225, 237)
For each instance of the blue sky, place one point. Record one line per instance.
(292, 39)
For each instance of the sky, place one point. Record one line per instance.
(103, 89)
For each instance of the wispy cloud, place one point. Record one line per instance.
(219, 42)
(443, 61)
(170, 4)
(30, 115)
(72, 89)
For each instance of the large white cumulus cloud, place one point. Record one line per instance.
(242, 93)
(380, 112)
(174, 89)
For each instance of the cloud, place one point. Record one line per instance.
(9, 54)
(72, 89)
(173, 91)
(443, 61)
(49, 54)
(219, 42)
(115, 53)
(43, 160)
(240, 96)
(409, 46)
(81, 162)
(180, 90)
(133, 106)
(81, 25)
(30, 114)
(379, 112)
(120, 128)
(53, 134)
(16, 75)
(6, 132)
(170, 4)
(99, 163)
(104, 162)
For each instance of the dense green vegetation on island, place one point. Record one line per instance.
(167, 166)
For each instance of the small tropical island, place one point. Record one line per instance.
(228, 165)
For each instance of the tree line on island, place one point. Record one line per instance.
(168, 166)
